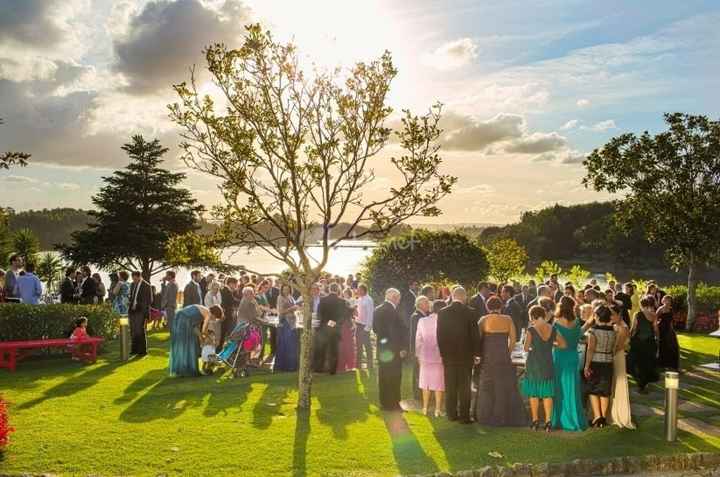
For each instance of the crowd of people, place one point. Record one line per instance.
(572, 348)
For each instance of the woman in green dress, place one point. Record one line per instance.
(568, 412)
(189, 325)
(538, 383)
(642, 359)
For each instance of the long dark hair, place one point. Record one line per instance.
(565, 308)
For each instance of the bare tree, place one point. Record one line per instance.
(296, 152)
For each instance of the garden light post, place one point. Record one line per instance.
(672, 383)
(124, 338)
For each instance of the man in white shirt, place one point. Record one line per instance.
(363, 325)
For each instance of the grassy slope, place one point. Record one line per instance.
(114, 419)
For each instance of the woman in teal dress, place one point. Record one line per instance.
(187, 328)
(538, 384)
(568, 412)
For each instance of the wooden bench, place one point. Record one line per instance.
(13, 351)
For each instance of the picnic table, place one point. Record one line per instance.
(13, 351)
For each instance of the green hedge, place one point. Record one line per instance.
(30, 322)
(708, 298)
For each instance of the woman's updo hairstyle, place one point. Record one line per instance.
(494, 303)
(603, 314)
(217, 312)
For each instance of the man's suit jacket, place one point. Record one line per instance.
(229, 302)
(88, 291)
(519, 314)
(140, 298)
(478, 304)
(272, 296)
(391, 332)
(191, 295)
(168, 299)
(458, 335)
(333, 308)
(67, 291)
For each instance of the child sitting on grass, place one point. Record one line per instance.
(208, 355)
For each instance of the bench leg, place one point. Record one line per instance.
(8, 359)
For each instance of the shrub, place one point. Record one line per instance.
(30, 322)
(424, 256)
(5, 428)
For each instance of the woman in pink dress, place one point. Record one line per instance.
(432, 378)
(346, 349)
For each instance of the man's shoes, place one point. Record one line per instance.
(452, 418)
(466, 421)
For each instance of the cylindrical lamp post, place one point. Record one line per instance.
(124, 338)
(672, 384)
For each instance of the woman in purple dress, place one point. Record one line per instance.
(432, 377)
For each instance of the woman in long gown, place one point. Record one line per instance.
(642, 359)
(620, 411)
(286, 355)
(187, 328)
(498, 401)
(669, 349)
(568, 412)
(347, 354)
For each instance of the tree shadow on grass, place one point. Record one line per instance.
(171, 397)
(270, 403)
(148, 379)
(73, 384)
(302, 433)
(343, 401)
(409, 455)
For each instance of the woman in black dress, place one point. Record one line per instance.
(598, 370)
(669, 356)
(498, 401)
(642, 359)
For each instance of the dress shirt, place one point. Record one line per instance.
(365, 310)
(28, 288)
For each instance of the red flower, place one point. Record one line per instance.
(5, 428)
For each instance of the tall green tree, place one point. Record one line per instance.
(137, 212)
(26, 244)
(298, 150)
(670, 183)
(423, 256)
(49, 269)
(507, 259)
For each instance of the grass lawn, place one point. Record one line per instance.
(132, 419)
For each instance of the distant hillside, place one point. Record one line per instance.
(52, 226)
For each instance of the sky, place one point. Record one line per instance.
(529, 87)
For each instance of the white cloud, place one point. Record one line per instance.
(572, 124)
(562, 156)
(601, 126)
(466, 133)
(453, 54)
(537, 142)
(583, 103)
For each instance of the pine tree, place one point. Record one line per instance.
(137, 213)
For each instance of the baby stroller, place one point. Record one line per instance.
(243, 340)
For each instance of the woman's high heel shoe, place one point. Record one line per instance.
(548, 427)
(535, 425)
(596, 422)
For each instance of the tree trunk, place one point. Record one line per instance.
(305, 372)
(691, 295)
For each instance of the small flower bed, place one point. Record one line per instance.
(5, 428)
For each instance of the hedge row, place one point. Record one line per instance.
(708, 298)
(30, 322)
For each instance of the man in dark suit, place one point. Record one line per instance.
(67, 287)
(88, 287)
(192, 294)
(332, 310)
(478, 301)
(168, 297)
(229, 302)
(542, 291)
(625, 297)
(513, 308)
(458, 338)
(392, 340)
(273, 293)
(138, 313)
